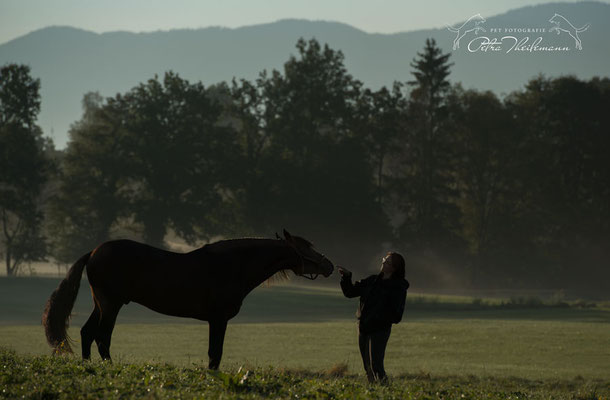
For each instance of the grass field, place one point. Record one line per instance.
(46, 377)
(295, 336)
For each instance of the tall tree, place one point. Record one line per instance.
(317, 160)
(566, 123)
(488, 168)
(428, 182)
(91, 195)
(23, 168)
(381, 116)
(178, 150)
(249, 114)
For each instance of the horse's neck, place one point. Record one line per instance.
(258, 260)
(272, 257)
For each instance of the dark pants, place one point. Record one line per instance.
(372, 349)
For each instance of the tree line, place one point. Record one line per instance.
(475, 189)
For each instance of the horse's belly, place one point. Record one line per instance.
(175, 304)
(203, 304)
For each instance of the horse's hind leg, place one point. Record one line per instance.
(104, 333)
(109, 309)
(89, 331)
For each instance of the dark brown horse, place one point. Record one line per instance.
(208, 284)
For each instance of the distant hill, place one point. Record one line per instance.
(72, 61)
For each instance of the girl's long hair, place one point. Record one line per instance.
(398, 262)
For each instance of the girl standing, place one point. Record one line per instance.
(382, 303)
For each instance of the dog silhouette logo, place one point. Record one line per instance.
(563, 25)
(472, 24)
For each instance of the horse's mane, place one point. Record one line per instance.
(305, 241)
(229, 244)
(279, 276)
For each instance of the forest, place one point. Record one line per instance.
(476, 190)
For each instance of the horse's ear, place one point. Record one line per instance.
(287, 235)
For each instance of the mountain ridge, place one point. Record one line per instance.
(71, 61)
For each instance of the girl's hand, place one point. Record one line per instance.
(344, 272)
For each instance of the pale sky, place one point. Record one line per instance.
(18, 17)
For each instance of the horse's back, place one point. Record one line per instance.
(124, 251)
(121, 265)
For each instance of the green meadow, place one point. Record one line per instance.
(302, 341)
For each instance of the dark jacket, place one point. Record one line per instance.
(382, 301)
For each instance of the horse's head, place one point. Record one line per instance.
(556, 19)
(477, 19)
(311, 263)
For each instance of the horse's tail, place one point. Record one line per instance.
(584, 28)
(56, 315)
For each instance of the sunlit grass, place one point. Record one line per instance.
(65, 377)
(483, 347)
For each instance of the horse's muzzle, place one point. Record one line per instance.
(329, 268)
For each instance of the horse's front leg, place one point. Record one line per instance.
(217, 338)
